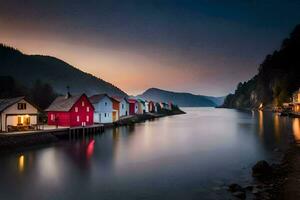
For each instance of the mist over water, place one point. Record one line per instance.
(190, 156)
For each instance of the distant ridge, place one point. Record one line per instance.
(28, 68)
(181, 99)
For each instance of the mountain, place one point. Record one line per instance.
(27, 69)
(278, 77)
(181, 99)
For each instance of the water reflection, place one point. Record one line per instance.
(90, 149)
(179, 157)
(49, 167)
(296, 129)
(21, 163)
(276, 127)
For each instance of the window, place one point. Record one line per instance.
(20, 121)
(87, 118)
(122, 106)
(105, 103)
(82, 103)
(104, 114)
(76, 109)
(78, 118)
(87, 109)
(21, 106)
(52, 117)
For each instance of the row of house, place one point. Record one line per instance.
(74, 110)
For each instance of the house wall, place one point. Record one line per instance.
(116, 110)
(13, 110)
(131, 108)
(63, 118)
(124, 108)
(151, 106)
(103, 111)
(141, 108)
(85, 113)
(146, 106)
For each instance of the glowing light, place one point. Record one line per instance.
(21, 163)
(260, 106)
(90, 149)
(277, 127)
(296, 129)
(261, 123)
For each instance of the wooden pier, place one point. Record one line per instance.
(59, 132)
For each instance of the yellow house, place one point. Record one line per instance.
(17, 114)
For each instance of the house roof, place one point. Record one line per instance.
(64, 104)
(115, 99)
(120, 98)
(131, 100)
(5, 103)
(98, 97)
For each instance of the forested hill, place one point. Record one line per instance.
(278, 77)
(26, 69)
(181, 99)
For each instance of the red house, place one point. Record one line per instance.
(71, 111)
(133, 106)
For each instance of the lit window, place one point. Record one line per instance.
(87, 109)
(52, 117)
(87, 118)
(78, 118)
(76, 109)
(82, 103)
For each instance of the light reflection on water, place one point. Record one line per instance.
(179, 157)
(296, 129)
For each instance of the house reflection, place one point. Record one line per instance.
(21, 163)
(82, 152)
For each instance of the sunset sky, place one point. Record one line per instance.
(204, 47)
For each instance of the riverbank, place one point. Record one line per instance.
(276, 181)
(22, 141)
(285, 180)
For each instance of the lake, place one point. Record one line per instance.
(191, 156)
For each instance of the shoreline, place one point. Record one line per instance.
(280, 180)
(21, 142)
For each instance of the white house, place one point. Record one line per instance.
(124, 107)
(141, 106)
(17, 114)
(146, 106)
(103, 108)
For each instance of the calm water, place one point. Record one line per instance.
(189, 156)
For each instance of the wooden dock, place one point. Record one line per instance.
(67, 131)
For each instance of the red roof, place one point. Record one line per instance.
(132, 100)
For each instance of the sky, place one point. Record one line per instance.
(200, 46)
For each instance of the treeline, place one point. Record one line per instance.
(51, 70)
(40, 93)
(278, 77)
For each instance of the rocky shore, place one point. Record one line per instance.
(273, 181)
